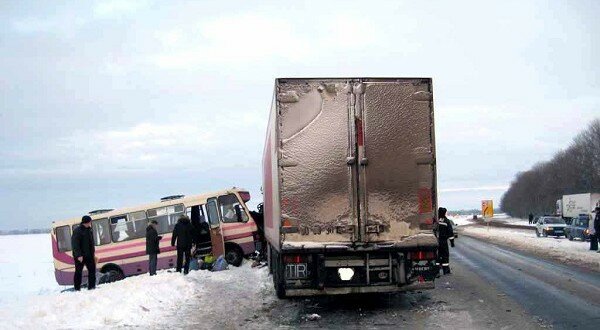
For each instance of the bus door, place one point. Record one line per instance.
(216, 233)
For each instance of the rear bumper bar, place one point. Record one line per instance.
(360, 289)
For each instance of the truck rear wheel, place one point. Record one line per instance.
(278, 276)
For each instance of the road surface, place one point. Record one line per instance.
(490, 288)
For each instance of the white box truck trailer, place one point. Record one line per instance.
(570, 206)
(349, 186)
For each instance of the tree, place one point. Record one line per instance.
(571, 171)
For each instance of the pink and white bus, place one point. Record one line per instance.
(120, 234)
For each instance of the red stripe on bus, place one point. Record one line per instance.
(133, 255)
(127, 245)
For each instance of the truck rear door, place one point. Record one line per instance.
(315, 136)
(396, 159)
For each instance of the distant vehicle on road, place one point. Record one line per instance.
(579, 228)
(571, 206)
(550, 226)
(120, 235)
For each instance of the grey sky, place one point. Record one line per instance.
(111, 103)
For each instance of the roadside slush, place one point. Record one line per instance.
(574, 253)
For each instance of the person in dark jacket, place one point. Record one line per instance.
(152, 246)
(530, 218)
(84, 251)
(445, 232)
(183, 235)
(596, 234)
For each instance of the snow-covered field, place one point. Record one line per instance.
(31, 298)
(26, 268)
(572, 252)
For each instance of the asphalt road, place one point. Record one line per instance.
(562, 296)
(490, 288)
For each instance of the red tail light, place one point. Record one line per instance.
(422, 255)
(294, 259)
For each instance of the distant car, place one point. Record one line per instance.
(550, 226)
(579, 228)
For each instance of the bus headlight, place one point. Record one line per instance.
(345, 274)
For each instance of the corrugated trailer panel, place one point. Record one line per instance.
(398, 178)
(315, 186)
(344, 142)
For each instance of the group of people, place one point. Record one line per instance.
(185, 236)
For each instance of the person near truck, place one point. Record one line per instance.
(84, 251)
(152, 246)
(183, 235)
(595, 231)
(445, 232)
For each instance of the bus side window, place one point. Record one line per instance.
(119, 228)
(63, 238)
(101, 231)
(136, 224)
(166, 217)
(160, 215)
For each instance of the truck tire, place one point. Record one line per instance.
(570, 237)
(278, 276)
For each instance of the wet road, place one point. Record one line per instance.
(563, 296)
(490, 288)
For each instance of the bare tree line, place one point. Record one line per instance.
(571, 171)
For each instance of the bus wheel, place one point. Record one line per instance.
(113, 274)
(234, 255)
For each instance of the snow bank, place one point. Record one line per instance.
(210, 299)
(563, 250)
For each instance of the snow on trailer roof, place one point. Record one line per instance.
(186, 200)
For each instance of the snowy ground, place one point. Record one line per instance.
(462, 220)
(211, 300)
(30, 297)
(571, 252)
(26, 268)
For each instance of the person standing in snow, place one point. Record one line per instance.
(82, 243)
(595, 231)
(530, 218)
(152, 246)
(183, 234)
(445, 232)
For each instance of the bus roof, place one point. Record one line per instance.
(186, 200)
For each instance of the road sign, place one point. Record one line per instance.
(487, 209)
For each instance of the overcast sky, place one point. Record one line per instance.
(112, 103)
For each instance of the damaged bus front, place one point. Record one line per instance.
(350, 186)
